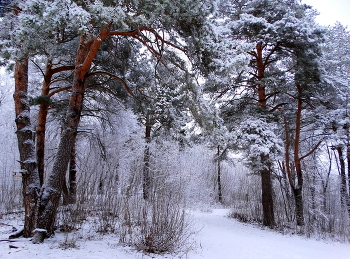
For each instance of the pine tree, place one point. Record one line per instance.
(161, 26)
(272, 31)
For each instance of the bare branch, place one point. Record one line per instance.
(312, 150)
(115, 77)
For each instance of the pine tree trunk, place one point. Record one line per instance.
(146, 161)
(41, 125)
(25, 137)
(42, 115)
(266, 194)
(344, 197)
(219, 177)
(266, 185)
(298, 189)
(299, 205)
(69, 192)
(51, 191)
(40, 140)
(348, 163)
(313, 198)
(65, 193)
(73, 176)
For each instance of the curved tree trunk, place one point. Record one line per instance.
(51, 191)
(26, 147)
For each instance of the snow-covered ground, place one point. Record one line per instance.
(218, 237)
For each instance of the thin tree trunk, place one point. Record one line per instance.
(26, 147)
(146, 161)
(69, 191)
(348, 162)
(219, 177)
(313, 197)
(42, 115)
(41, 126)
(344, 197)
(298, 189)
(73, 175)
(65, 193)
(51, 191)
(285, 188)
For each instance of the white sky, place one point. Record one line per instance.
(331, 11)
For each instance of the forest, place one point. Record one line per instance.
(128, 114)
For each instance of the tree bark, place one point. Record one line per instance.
(41, 126)
(298, 189)
(42, 115)
(72, 179)
(266, 194)
(51, 191)
(299, 205)
(219, 177)
(344, 197)
(146, 160)
(266, 185)
(348, 163)
(69, 192)
(25, 137)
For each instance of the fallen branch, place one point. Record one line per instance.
(17, 234)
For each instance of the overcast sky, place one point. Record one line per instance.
(331, 11)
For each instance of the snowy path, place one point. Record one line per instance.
(219, 238)
(225, 238)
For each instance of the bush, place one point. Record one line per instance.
(157, 226)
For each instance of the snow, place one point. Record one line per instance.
(217, 236)
(39, 230)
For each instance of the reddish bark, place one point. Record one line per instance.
(41, 126)
(25, 137)
(42, 116)
(51, 191)
(266, 185)
(297, 187)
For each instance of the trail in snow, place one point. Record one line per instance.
(219, 238)
(222, 237)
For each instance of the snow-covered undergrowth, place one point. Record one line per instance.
(216, 236)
